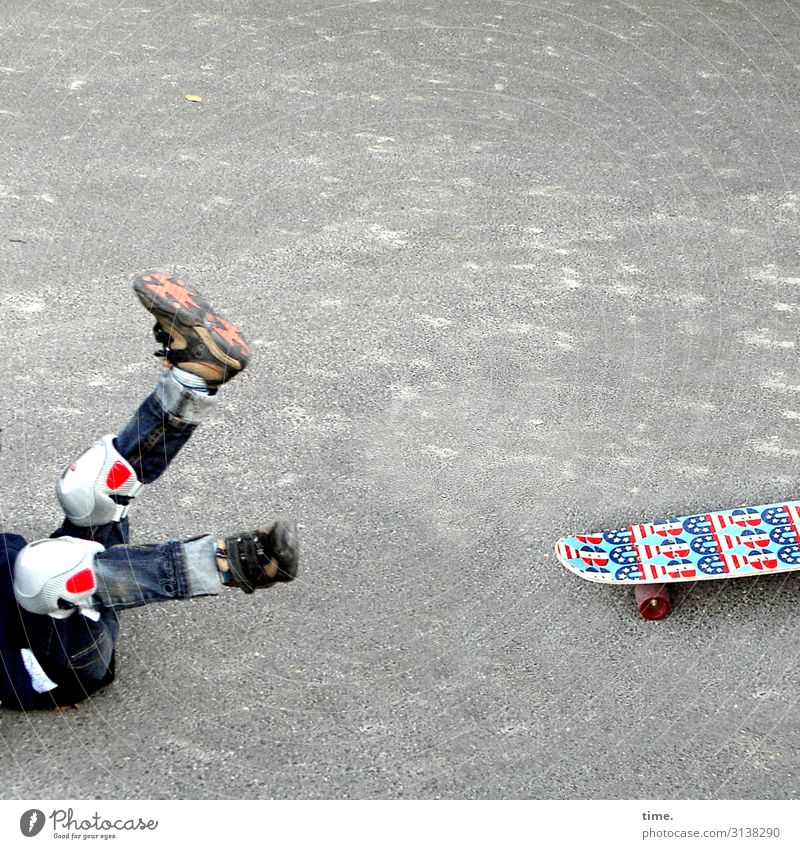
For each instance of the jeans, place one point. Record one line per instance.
(77, 653)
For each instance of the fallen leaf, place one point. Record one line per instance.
(193, 98)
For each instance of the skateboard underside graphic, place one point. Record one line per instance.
(746, 541)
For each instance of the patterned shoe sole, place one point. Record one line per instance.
(183, 313)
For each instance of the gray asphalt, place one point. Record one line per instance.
(512, 270)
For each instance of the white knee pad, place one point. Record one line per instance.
(86, 487)
(56, 576)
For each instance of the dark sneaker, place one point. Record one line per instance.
(263, 557)
(193, 337)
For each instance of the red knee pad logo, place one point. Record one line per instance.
(118, 474)
(81, 582)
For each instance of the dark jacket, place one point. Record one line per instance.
(16, 688)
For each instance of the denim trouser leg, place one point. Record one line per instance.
(153, 436)
(76, 653)
(135, 575)
(150, 441)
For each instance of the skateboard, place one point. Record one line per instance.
(728, 544)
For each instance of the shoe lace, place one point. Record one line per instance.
(163, 339)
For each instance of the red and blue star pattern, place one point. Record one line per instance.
(732, 543)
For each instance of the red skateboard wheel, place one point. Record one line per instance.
(653, 601)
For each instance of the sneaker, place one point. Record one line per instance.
(191, 334)
(261, 558)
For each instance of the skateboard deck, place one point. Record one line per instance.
(735, 543)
